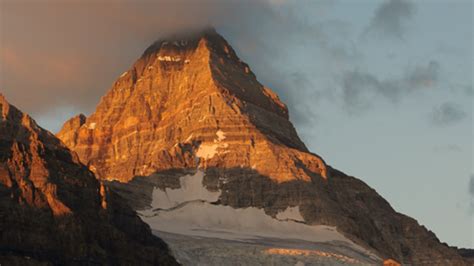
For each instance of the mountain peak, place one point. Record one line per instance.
(51, 204)
(22, 139)
(178, 97)
(189, 127)
(2, 98)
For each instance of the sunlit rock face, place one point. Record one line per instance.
(53, 211)
(190, 110)
(186, 104)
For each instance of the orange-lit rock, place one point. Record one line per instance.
(305, 252)
(26, 167)
(53, 211)
(103, 196)
(165, 112)
(390, 262)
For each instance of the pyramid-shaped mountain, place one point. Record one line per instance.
(178, 102)
(196, 144)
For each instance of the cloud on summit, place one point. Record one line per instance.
(81, 48)
(74, 51)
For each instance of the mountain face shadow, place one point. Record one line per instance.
(357, 210)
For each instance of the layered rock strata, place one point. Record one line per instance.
(53, 211)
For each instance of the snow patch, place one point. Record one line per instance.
(191, 189)
(199, 218)
(291, 213)
(168, 58)
(91, 126)
(220, 135)
(207, 151)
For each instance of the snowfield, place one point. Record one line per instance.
(192, 250)
(190, 214)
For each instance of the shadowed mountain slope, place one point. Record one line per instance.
(53, 211)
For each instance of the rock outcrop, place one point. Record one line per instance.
(190, 104)
(53, 211)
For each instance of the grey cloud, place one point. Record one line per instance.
(424, 76)
(360, 88)
(73, 51)
(390, 19)
(81, 48)
(447, 113)
(293, 87)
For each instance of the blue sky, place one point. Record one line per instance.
(381, 89)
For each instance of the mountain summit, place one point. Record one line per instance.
(187, 104)
(200, 148)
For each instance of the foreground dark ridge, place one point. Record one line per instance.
(53, 211)
(191, 104)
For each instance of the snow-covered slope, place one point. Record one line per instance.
(192, 250)
(192, 212)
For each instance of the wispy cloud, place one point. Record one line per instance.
(390, 19)
(424, 76)
(361, 88)
(447, 113)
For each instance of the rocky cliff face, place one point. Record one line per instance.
(190, 106)
(184, 100)
(53, 211)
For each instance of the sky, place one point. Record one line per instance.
(382, 90)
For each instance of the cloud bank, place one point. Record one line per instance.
(74, 51)
(69, 53)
